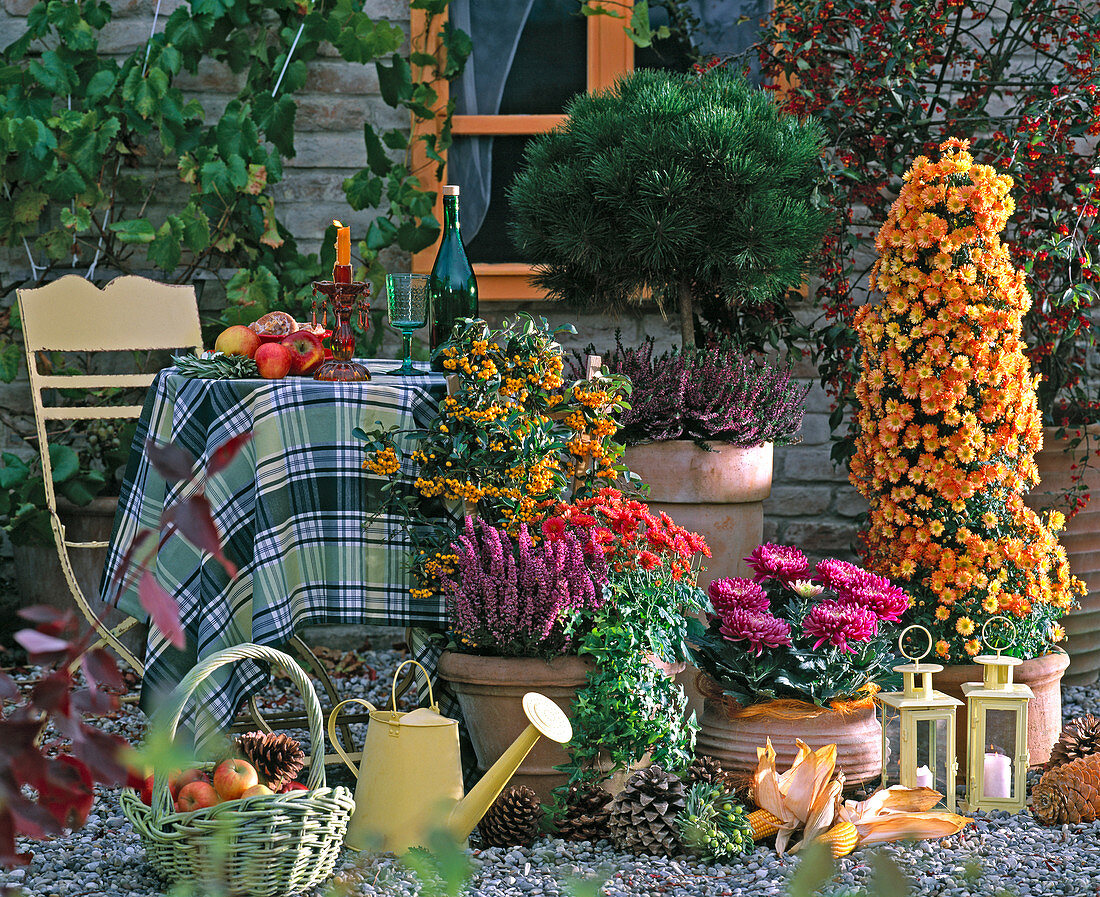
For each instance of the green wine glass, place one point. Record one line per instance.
(407, 296)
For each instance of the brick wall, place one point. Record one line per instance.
(811, 504)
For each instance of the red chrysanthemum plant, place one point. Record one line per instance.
(948, 420)
(796, 639)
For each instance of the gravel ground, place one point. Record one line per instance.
(999, 855)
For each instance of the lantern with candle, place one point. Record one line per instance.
(918, 728)
(996, 713)
(346, 297)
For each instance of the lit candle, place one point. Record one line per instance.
(924, 777)
(997, 775)
(343, 244)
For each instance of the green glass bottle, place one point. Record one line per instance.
(452, 287)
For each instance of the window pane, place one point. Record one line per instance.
(551, 63)
(491, 242)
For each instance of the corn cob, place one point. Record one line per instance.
(841, 839)
(764, 824)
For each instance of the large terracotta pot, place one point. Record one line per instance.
(490, 692)
(718, 494)
(1044, 711)
(733, 742)
(1081, 538)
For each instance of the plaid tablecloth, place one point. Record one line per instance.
(295, 513)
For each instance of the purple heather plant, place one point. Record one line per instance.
(794, 631)
(512, 598)
(716, 392)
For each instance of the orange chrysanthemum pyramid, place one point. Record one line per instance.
(948, 422)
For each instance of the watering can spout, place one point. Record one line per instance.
(546, 718)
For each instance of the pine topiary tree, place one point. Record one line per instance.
(948, 423)
(690, 188)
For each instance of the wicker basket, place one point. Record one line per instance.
(266, 846)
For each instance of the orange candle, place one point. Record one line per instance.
(343, 244)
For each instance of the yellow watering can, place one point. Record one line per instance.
(410, 778)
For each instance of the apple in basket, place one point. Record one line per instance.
(306, 351)
(257, 791)
(293, 786)
(178, 778)
(233, 778)
(195, 796)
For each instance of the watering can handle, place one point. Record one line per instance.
(332, 729)
(427, 678)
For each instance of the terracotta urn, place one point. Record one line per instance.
(719, 494)
(1081, 538)
(1044, 711)
(490, 692)
(857, 735)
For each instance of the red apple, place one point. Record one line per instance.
(293, 786)
(177, 780)
(233, 778)
(257, 791)
(306, 351)
(195, 796)
(238, 340)
(273, 360)
(147, 791)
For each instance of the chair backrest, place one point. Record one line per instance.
(73, 315)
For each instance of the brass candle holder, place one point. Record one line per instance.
(346, 298)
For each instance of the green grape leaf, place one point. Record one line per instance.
(395, 80)
(52, 73)
(13, 472)
(28, 206)
(363, 190)
(377, 160)
(101, 84)
(64, 461)
(10, 355)
(275, 118)
(79, 219)
(381, 233)
(164, 251)
(137, 230)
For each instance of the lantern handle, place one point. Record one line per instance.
(988, 644)
(916, 658)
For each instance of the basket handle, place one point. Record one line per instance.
(332, 730)
(248, 651)
(393, 691)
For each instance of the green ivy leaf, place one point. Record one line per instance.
(10, 355)
(395, 80)
(28, 206)
(64, 461)
(52, 73)
(363, 190)
(136, 230)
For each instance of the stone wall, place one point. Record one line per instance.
(811, 504)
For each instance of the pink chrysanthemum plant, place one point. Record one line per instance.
(820, 634)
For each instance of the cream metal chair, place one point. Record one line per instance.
(73, 315)
(129, 314)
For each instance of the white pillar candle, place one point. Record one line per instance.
(924, 777)
(997, 775)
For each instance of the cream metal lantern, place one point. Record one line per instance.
(918, 728)
(996, 735)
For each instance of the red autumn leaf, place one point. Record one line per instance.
(42, 648)
(162, 609)
(8, 856)
(170, 461)
(31, 820)
(193, 518)
(224, 454)
(102, 754)
(52, 693)
(96, 703)
(20, 732)
(67, 793)
(48, 619)
(128, 558)
(100, 669)
(9, 691)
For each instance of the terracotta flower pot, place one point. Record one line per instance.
(1044, 711)
(1081, 539)
(718, 494)
(733, 742)
(490, 692)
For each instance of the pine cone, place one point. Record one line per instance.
(1069, 793)
(643, 814)
(705, 769)
(513, 820)
(587, 814)
(1080, 738)
(278, 758)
